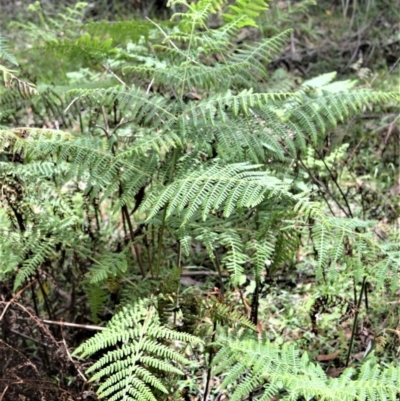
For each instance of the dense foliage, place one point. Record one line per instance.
(148, 154)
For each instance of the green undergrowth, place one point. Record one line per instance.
(226, 224)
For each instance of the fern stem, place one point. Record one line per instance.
(255, 303)
(179, 257)
(42, 350)
(179, 265)
(210, 358)
(354, 291)
(149, 258)
(320, 184)
(171, 42)
(161, 229)
(79, 114)
(160, 241)
(108, 69)
(187, 67)
(132, 237)
(335, 182)
(44, 295)
(353, 331)
(218, 267)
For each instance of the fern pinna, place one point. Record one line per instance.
(184, 143)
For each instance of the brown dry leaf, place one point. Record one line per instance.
(328, 357)
(193, 96)
(334, 372)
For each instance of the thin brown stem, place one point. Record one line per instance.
(353, 331)
(210, 358)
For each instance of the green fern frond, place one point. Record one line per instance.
(4, 54)
(85, 47)
(160, 143)
(123, 31)
(211, 187)
(335, 237)
(372, 383)
(261, 251)
(196, 14)
(321, 235)
(244, 141)
(43, 250)
(208, 42)
(144, 348)
(144, 109)
(245, 12)
(224, 314)
(235, 257)
(318, 110)
(216, 107)
(242, 68)
(10, 242)
(97, 297)
(89, 159)
(107, 265)
(254, 365)
(388, 267)
(286, 245)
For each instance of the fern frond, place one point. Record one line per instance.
(224, 314)
(144, 347)
(144, 109)
(107, 265)
(97, 297)
(44, 249)
(233, 186)
(235, 256)
(123, 31)
(318, 110)
(261, 254)
(146, 143)
(85, 47)
(4, 54)
(243, 68)
(388, 267)
(216, 107)
(333, 235)
(252, 364)
(245, 12)
(196, 14)
(286, 245)
(208, 42)
(24, 88)
(88, 159)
